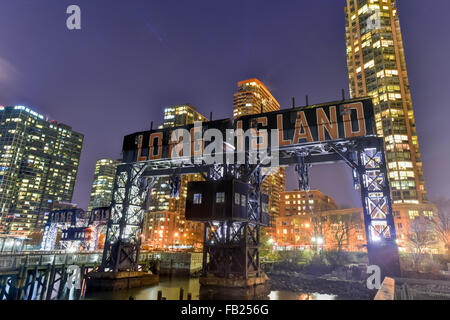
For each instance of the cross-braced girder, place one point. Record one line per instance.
(232, 248)
(123, 238)
(365, 155)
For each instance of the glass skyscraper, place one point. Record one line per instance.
(38, 166)
(103, 184)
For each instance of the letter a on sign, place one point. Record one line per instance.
(74, 20)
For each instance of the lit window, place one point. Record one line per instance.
(413, 214)
(197, 198)
(237, 198)
(243, 200)
(428, 214)
(220, 197)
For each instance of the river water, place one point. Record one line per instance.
(170, 288)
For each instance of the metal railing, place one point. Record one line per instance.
(14, 261)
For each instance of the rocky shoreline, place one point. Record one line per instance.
(343, 289)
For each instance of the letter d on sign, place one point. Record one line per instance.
(74, 20)
(374, 281)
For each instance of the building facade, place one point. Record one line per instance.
(167, 230)
(252, 97)
(103, 184)
(377, 68)
(38, 166)
(344, 228)
(301, 203)
(300, 214)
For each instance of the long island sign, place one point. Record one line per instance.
(253, 138)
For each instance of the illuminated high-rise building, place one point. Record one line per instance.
(377, 68)
(162, 206)
(38, 166)
(181, 115)
(174, 116)
(253, 97)
(103, 184)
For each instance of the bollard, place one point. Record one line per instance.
(159, 295)
(189, 296)
(181, 293)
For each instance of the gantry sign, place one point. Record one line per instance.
(248, 149)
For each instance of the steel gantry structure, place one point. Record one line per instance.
(342, 131)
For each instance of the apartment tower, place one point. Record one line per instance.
(253, 97)
(377, 68)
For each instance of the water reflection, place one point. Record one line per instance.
(170, 288)
(288, 295)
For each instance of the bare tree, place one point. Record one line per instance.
(341, 226)
(420, 238)
(441, 222)
(318, 228)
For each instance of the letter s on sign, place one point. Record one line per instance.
(74, 20)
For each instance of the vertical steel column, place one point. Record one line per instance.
(377, 206)
(233, 246)
(123, 237)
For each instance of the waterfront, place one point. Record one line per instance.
(170, 288)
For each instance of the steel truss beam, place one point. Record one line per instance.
(365, 155)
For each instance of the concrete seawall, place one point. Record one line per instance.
(179, 263)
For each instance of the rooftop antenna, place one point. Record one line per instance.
(151, 126)
(210, 116)
(307, 100)
(293, 102)
(343, 94)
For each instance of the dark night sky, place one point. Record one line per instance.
(133, 58)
